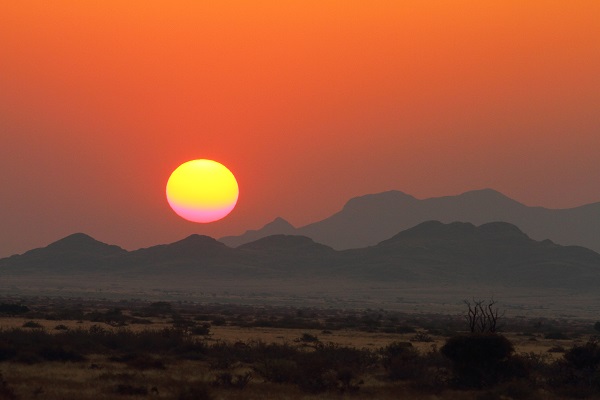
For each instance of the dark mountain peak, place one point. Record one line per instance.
(491, 196)
(80, 242)
(284, 243)
(436, 231)
(278, 224)
(275, 227)
(196, 240)
(74, 239)
(192, 247)
(391, 198)
(502, 230)
(76, 252)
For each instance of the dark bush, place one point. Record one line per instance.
(326, 367)
(556, 336)
(348, 381)
(32, 324)
(28, 357)
(157, 308)
(203, 329)
(13, 309)
(195, 391)
(229, 380)
(6, 392)
(480, 360)
(311, 373)
(130, 390)
(58, 353)
(308, 338)
(7, 352)
(277, 370)
(400, 361)
(421, 337)
(517, 390)
(584, 357)
(578, 373)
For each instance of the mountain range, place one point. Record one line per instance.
(432, 253)
(370, 219)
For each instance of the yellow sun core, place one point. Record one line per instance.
(202, 191)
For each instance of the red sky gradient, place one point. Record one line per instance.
(309, 103)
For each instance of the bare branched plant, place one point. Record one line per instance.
(482, 316)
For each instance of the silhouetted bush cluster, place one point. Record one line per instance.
(6, 392)
(13, 309)
(485, 362)
(482, 360)
(324, 367)
(400, 360)
(578, 373)
(72, 345)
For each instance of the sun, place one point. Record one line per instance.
(202, 191)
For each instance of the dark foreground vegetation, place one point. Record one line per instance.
(163, 350)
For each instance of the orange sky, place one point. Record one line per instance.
(308, 103)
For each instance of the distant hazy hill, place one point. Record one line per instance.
(367, 220)
(75, 253)
(458, 252)
(430, 253)
(278, 226)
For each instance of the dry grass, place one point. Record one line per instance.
(99, 377)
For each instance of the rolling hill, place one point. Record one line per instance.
(370, 219)
(430, 253)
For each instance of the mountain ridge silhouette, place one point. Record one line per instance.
(429, 253)
(366, 220)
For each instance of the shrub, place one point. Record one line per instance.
(480, 360)
(308, 338)
(517, 390)
(58, 353)
(584, 357)
(13, 309)
(228, 380)
(422, 337)
(195, 391)
(278, 370)
(130, 390)
(556, 349)
(7, 352)
(6, 392)
(556, 336)
(61, 327)
(347, 380)
(32, 324)
(400, 360)
(203, 329)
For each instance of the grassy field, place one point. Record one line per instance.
(57, 348)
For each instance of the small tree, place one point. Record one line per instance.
(483, 357)
(482, 316)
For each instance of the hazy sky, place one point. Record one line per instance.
(309, 103)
